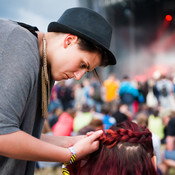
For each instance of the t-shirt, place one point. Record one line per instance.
(156, 126)
(111, 90)
(171, 127)
(64, 125)
(81, 120)
(20, 90)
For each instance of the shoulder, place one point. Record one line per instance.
(6, 25)
(18, 44)
(11, 30)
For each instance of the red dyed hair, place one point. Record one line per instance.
(125, 149)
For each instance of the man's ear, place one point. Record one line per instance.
(154, 161)
(70, 39)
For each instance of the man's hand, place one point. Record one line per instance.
(87, 145)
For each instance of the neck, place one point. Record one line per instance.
(40, 37)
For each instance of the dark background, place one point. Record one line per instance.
(138, 29)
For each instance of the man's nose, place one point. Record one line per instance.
(78, 74)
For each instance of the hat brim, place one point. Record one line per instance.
(57, 27)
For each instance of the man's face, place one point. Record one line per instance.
(68, 61)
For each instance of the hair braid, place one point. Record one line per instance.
(110, 138)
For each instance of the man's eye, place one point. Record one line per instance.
(83, 65)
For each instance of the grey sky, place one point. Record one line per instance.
(35, 12)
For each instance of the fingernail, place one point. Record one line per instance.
(100, 131)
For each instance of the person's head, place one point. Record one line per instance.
(95, 124)
(105, 109)
(78, 42)
(125, 149)
(142, 119)
(85, 108)
(71, 112)
(68, 58)
(125, 78)
(166, 115)
(155, 112)
(112, 77)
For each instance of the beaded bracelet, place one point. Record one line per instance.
(72, 160)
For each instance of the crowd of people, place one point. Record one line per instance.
(77, 109)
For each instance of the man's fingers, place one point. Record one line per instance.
(89, 133)
(95, 135)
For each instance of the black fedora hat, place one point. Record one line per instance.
(88, 25)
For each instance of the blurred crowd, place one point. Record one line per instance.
(77, 108)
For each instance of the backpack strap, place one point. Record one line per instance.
(32, 29)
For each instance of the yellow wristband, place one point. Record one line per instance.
(72, 160)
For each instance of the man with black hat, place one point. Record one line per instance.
(30, 63)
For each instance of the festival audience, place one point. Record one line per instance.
(150, 113)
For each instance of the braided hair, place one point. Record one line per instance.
(125, 149)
